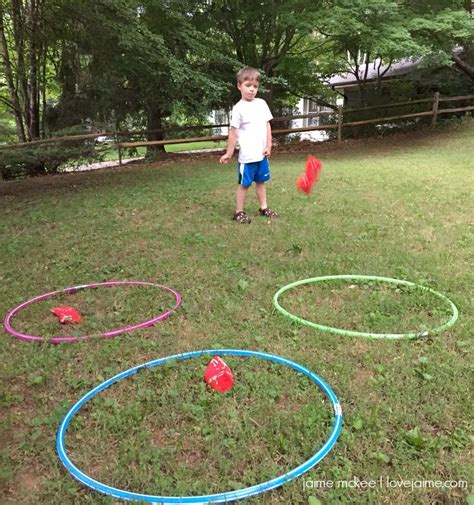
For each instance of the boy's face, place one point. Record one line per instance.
(248, 89)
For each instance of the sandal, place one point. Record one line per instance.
(241, 217)
(268, 213)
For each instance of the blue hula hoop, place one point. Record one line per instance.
(213, 498)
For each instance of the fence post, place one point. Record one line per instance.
(119, 149)
(339, 124)
(435, 109)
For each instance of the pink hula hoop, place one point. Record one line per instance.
(109, 334)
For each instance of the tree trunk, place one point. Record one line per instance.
(43, 93)
(466, 66)
(15, 100)
(19, 35)
(468, 4)
(155, 122)
(25, 23)
(35, 53)
(68, 109)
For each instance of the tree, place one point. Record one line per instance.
(267, 35)
(186, 74)
(23, 52)
(145, 58)
(380, 32)
(365, 31)
(446, 27)
(104, 58)
(112, 59)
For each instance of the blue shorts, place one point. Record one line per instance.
(257, 171)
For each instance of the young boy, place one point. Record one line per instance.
(250, 126)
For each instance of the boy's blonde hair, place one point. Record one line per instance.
(248, 74)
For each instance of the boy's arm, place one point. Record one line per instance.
(231, 142)
(268, 148)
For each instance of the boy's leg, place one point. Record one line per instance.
(261, 176)
(245, 176)
(262, 200)
(240, 198)
(261, 194)
(240, 216)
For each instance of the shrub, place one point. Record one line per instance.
(46, 158)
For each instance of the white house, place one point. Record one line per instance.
(306, 106)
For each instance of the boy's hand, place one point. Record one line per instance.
(267, 151)
(225, 158)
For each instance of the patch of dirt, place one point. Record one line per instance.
(23, 487)
(361, 376)
(23, 408)
(192, 453)
(287, 403)
(159, 438)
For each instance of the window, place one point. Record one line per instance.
(311, 107)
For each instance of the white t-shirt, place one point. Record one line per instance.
(251, 118)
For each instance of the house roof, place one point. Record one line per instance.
(402, 67)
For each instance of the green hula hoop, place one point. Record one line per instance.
(349, 333)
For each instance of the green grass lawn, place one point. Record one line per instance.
(194, 146)
(397, 207)
(112, 154)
